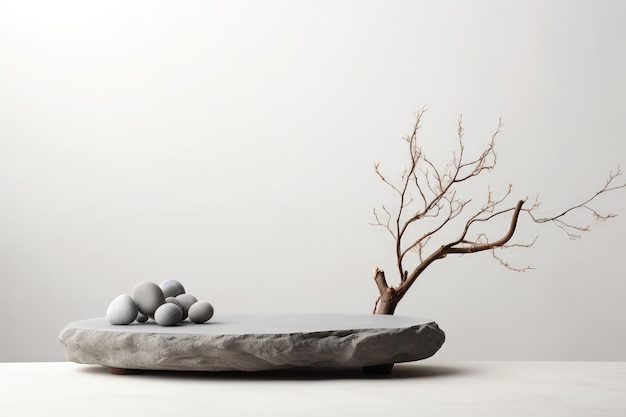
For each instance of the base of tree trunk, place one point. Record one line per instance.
(377, 370)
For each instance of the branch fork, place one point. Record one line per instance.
(436, 192)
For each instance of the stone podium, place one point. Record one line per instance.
(258, 342)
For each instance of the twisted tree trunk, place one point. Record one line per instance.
(388, 299)
(391, 296)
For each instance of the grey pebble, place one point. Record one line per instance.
(186, 300)
(168, 314)
(200, 312)
(172, 288)
(148, 297)
(122, 310)
(174, 300)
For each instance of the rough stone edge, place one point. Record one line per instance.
(254, 352)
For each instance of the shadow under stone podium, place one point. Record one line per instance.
(255, 342)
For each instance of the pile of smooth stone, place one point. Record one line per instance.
(167, 304)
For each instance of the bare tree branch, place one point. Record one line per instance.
(506, 264)
(572, 229)
(385, 224)
(436, 189)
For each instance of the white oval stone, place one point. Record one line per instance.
(148, 297)
(122, 310)
(186, 300)
(174, 300)
(168, 314)
(200, 312)
(172, 288)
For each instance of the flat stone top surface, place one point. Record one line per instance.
(249, 324)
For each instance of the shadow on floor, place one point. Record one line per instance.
(400, 371)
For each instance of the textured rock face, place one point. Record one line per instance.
(237, 346)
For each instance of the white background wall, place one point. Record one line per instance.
(230, 145)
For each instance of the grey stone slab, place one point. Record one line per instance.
(254, 342)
